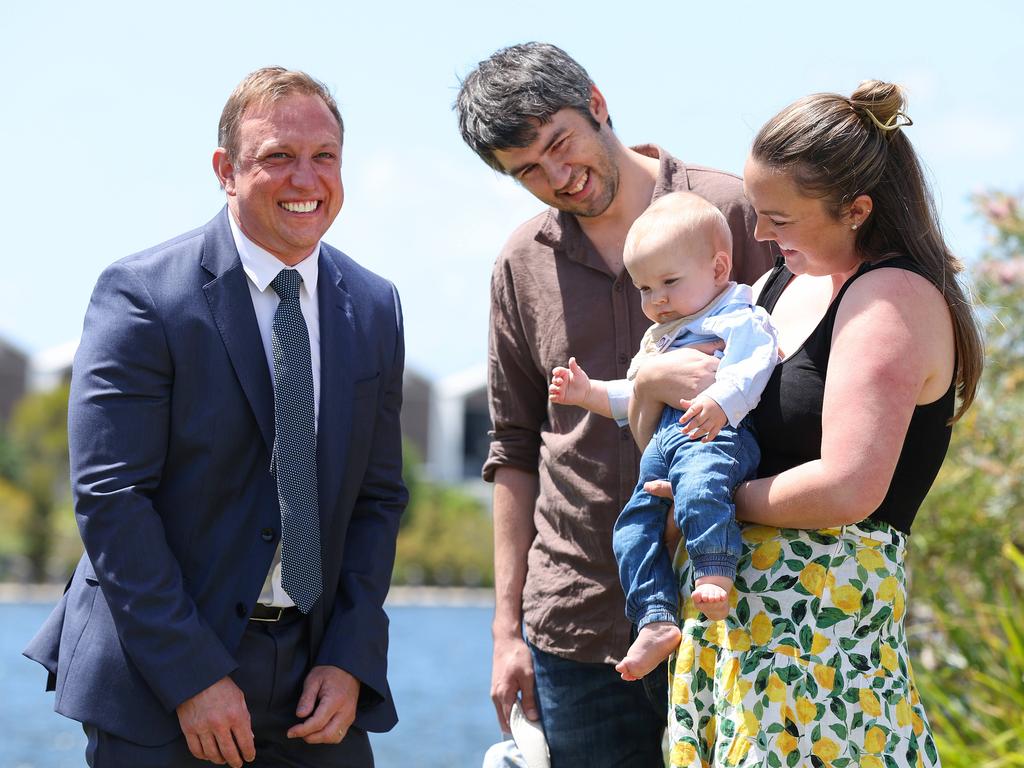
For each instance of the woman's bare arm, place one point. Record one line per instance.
(891, 346)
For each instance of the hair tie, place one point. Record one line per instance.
(897, 121)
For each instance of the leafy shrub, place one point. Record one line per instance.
(446, 536)
(976, 697)
(969, 628)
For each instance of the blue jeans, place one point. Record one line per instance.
(703, 478)
(594, 718)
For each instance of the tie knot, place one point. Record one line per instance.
(287, 284)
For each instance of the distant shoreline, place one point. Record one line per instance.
(398, 596)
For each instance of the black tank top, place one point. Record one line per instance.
(788, 418)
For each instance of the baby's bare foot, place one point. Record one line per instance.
(712, 597)
(653, 645)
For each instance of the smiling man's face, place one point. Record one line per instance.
(570, 165)
(284, 187)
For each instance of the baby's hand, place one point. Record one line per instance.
(569, 386)
(702, 418)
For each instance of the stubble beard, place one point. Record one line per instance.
(604, 177)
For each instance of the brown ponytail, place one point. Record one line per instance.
(837, 148)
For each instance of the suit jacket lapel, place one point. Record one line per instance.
(231, 306)
(337, 344)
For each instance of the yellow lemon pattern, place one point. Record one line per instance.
(812, 577)
(810, 667)
(871, 559)
(761, 629)
(874, 740)
(847, 598)
(776, 689)
(766, 555)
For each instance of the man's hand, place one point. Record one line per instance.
(216, 725)
(702, 418)
(327, 706)
(512, 675)
(569, 386)
(676, 373)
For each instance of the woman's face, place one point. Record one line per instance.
(811, 239)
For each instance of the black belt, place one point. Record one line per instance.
(272, 613)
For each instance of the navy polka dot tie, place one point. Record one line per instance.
(295, 446)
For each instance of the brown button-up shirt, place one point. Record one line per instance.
(552, 296)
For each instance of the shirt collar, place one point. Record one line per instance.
(261, 266)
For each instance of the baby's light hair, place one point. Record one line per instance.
(679, 217)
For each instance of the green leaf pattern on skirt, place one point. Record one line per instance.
(810, 667)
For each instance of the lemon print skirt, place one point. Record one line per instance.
(810, 667)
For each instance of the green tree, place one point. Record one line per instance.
(970, 627)
(446, 535)
(38, 470)
(973, 508)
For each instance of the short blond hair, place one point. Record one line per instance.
(677, 217)
(266, 86)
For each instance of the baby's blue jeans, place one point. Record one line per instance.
(703, 477)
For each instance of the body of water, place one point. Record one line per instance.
(439, 669)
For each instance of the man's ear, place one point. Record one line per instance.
(723, 267)
(225, 170)
(598, 106)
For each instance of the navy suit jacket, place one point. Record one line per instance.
(171, 424)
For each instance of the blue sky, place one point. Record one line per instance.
(110, 114)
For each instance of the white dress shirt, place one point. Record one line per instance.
(261, 267)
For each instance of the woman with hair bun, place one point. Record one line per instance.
(882, 354)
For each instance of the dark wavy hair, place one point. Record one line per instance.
(502, 102)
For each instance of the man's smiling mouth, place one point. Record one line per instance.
(304, 206)
(581, 182)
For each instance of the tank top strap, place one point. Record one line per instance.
(894, 260)
(773, 287)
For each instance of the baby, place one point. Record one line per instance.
(679, 254)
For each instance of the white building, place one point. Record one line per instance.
(459, 425)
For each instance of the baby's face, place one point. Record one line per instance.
(675, 281)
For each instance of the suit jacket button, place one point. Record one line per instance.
(242, 611)
(267, 534)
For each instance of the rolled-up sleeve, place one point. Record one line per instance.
(516, 386)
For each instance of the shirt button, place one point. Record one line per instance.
(241, 610)
(626, 434)
(623, 357)
(267, 534)
(618, 287)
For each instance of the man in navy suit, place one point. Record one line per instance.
(236, 467)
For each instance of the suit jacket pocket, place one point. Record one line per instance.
(89, 573)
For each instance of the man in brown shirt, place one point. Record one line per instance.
(562, 475)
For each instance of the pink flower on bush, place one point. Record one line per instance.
(1006, 273)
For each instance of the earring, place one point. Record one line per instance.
(853, 226)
